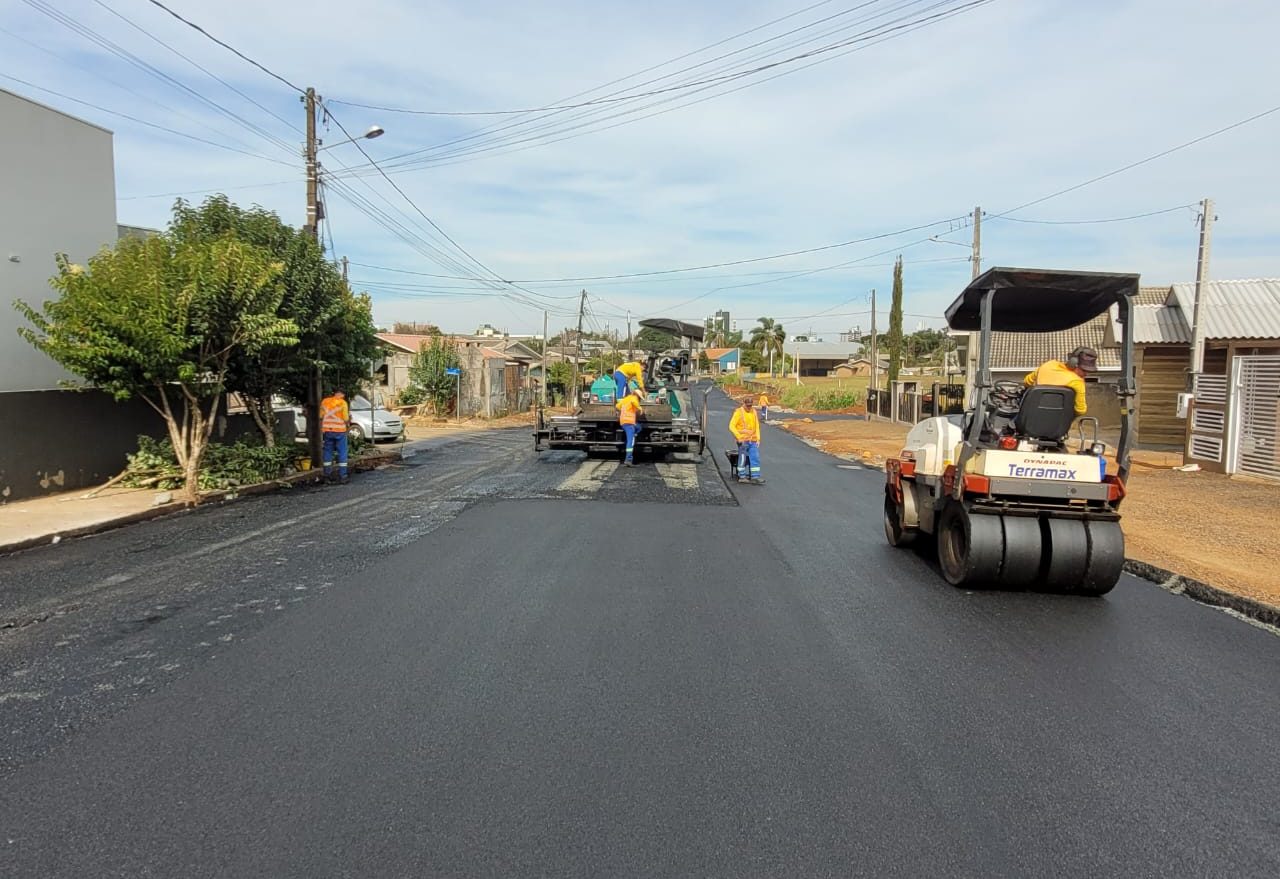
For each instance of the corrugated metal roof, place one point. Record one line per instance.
(1160, 325)
(1247, 309)
(1026, 351)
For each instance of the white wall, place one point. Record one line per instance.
(57, 195)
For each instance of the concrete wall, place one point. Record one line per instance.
(52, 441)
(57, 195)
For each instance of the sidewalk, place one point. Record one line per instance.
(55, 517)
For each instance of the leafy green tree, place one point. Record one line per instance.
(429, 372)
(768, 337)
(164, 319)
(753, 360)
(335, 328)
(704, 362)
(895, 324)
(654, 341)
(560, 375)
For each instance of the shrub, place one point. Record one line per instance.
(154, 465)
(411, 396)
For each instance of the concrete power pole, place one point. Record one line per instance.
(545, 339)
(874, 353)
(977, 242)
(971, 354)
(1202, 277)
(629, 343)
(582, 309)
(345, 263)
(315, 444)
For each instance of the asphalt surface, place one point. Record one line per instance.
(571, 669)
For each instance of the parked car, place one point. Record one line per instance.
(366, 421)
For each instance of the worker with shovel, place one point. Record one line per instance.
(745, 427)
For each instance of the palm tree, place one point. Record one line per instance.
(768, 337)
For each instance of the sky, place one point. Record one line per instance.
(917, 121)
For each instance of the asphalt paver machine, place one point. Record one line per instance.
(1014, 497)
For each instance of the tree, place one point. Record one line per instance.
(415, 329)
(655, 341)
(429, 371)
(753, 361)
(704, 362)
(335, 328)
(768, 337)
(163, 320)
(895, 323)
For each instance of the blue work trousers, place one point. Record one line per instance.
(631, 430)
(335, 445)
(749, 460)
(620, 383)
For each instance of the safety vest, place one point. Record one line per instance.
(628, 409)
(745, 426)
(333, 415)
(763, 400)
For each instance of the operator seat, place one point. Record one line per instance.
(1045, 414)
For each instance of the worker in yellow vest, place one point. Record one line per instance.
(335, 421)
(625, 377)
(745, 427)
(629, 409)
(763, 403)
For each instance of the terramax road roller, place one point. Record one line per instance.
(1014, 496)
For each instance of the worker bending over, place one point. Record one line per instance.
(1054, 373)
(745, 427)
(625, 376)
(629, 409)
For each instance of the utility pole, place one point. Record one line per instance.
(345, 262)
(582, 309)
(1202, 277)
(874, 353)
(629, 344)
(545, 339)
(977, 242)
(315, 443)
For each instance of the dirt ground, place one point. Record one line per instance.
(1203, 525)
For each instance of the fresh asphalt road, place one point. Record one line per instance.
(485, 663)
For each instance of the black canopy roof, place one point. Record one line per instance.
(1039, 300)
(675, 327)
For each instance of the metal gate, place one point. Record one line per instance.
(1255, 391)
(1207, 427)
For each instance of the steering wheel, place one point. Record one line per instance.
(1004, 396)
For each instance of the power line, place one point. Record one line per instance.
(207, 191)
(1180, 207)
(231, 49)
(1129, 167)
(197, 65)
(172, 131)
(874, 35)
(120, 52)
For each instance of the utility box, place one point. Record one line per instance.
(1184, 404)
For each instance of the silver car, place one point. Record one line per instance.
(366, 420)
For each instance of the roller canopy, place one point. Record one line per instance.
(675, 327)
(1039, 300)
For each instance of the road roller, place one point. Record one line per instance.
(1016, 491)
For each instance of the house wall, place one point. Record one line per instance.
(1161, 373)
(57, 180)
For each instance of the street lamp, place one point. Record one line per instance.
(374, 131)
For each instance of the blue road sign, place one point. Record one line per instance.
(452, 370)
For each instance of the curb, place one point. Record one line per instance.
(1202, 592)
(221, 496)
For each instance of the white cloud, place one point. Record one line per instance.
(996, 107)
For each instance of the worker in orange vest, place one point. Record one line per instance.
(335, 421)
(745, 427)
(629, 409)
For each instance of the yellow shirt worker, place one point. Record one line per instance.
(1055, 373)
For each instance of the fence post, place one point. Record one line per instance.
(895, 390)
(937, 400)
